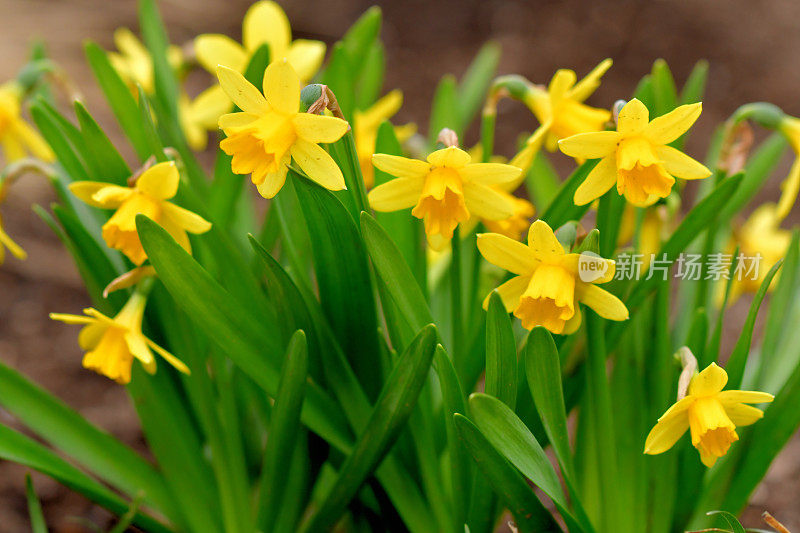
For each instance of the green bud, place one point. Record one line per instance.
(567, 234)
(590, 243)
(309, 95)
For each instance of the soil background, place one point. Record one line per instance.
(752, 47)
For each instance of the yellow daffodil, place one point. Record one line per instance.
(790, 127)
(760, 236)
(6, 242)
(264, 23)
(515, 225)
(112, 343)
(636, 157)
(17, 137)
(444, 190)
(270, 131)
(711, 415)
(365, 131)
(201, 115)
(560, 109)
(149, 197)
(550, 283)
(133, 62)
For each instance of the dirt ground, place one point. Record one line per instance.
(751, 45)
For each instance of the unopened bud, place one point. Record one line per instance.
(689, 364)
(448, 137)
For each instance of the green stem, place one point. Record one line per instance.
(455, 293)
(488, 121)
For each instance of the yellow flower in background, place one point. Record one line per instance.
(515, 225)
(365, 130)
(709, 413)
(133, 61)
(444, 191)
(636, 157)
(264, 23)
(17, 137)
(790, 127)
(148, 197)
(112, 343)
(270, 131)
(560, 109)
(7, 242)
(201, 115)
(760, 236)
(550, 283)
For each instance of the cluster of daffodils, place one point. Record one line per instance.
(318, 299)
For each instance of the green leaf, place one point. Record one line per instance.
(104, 159)
(154, 144)
(444, 110)
(361, 36)
(392, 409)
(154, 35)
(542, 182)
(475, 83)
(339, 78)
(738, 359)
(501, 353)
(733, 522)
(38, 525)
(283, 432)
(563, 209)
(58, 138)
(370, 82)
(119, 97)
(343, 277)
(695, 84)
(529, 513)
(665, 95)
(231, 327)
(395, 274)
(21, 449)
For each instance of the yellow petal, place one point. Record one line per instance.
(72, 319)
(396, 194)
(189, 221)
(487, 203)
(669, 428)
(15, 249)
(318, 165)
(139, 349)
(601, 178)
(507, 253)
(562, 81)
(241, 91)
(282, 87)
(159, 181)
(209, 106)
(524, 159)
(744, 396)
(273, 182)
(743, 415)
(584, 88)
(572, 325)
(450, 157)
(214, 49)
(236, 120)
(266, 22)
(88, 191)
(381, 110)
(33, 141)
(791, 188)
(710, 381)
(667, 128)
(490, 173)
(510, 292)
(633, 118)
(402, 167)
(168, 357)
(590, 145)
(543, 242)
(306, 57)
(319, 128)
(681, 165)
(601, 301)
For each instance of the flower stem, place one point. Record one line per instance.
(455, 293)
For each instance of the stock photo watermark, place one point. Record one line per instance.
(690, 267)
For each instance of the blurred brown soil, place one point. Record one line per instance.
(752, 47)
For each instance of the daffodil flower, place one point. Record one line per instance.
(271, 130)
(134, 64)
(264, 23)
(444, 191)
(636, 157)
(560, 109)
(549, 283)
(148, 197)
(17, 137)
(111, 344)
(760, 236)
(790, 127)
(365, 131)
(710, 414)
(200, 115)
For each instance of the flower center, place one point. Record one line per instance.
(712, 429)
(641, 172)
(549, 300)
(262, 147)
(441, 203)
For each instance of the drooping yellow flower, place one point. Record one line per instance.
(365, 130)
(148, 197)
(112, 343)
(271, 130)
(550, 283)
(444, 190)
(636, 157)
(711, 415)
(264, 23)
(17, 137)
(560, 109)
(790, 127)
(759, 237)
(134, 64)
